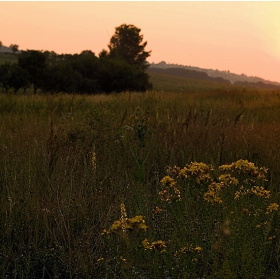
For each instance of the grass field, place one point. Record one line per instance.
(179, 182)
(8, 57)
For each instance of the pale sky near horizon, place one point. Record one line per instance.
(242, 37)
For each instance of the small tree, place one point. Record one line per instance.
(14, 48)
(1, 44)
(127, 44)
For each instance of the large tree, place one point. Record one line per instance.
(34, 63)
(127, 44)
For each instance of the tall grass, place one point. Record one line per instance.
(68, 162)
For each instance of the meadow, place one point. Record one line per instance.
(179, 182)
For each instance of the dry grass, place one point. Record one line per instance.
(56, 201)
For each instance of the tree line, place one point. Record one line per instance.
(122, 68)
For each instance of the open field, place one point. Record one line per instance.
(86, 191)
(8, 57)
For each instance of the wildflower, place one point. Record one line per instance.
(197, 249)
(157, 210)
(116, 225)
(105, 231)
(100, 259)
(122, 258)
(123, 217)
(138, 222)
(146, 243)
(272, 207)
(170, 192)
(228, 179)
(226, 167)
(260, 191)
(272, 238)
(198, 171)
(184, 249)
(156, 245)
(213, 193)
(125, 223)
(159, 245)
(168, 181)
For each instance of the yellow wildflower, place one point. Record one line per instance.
(260, 191)
(104, 231)
(170, 192)
(159, 245)
(158, 210)
(228, 179)
(197, 249)
(213, 193)
(272, 207)
(156, 245)
(226, 167)
(116, 225)
(100, 259)
(168, 181)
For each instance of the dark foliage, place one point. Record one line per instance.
(121, 69)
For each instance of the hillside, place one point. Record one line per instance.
(7, 55)
(178, 84)
(226, 75)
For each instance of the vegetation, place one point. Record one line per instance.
(126, 44)
(120, 69)
(181, 183)
(14, 48)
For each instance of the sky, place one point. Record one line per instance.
(240, 37)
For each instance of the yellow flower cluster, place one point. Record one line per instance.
(260, 191)
(227, 179)
(157, 210)
(242, 174)
(189, 248)
(156, 245)
(246, 167)
(256, 190)
(130, 224)
(169, 191)
(197, 170)
(213, 194)
(272, 207)
(125, 223)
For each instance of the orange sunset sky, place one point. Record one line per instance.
(242, 37)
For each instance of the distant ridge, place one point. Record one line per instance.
(213, 75)
(4, 49)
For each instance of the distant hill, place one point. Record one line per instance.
(186, 73)
(220, 76)
(4, 49)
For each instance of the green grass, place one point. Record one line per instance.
(68, 162)
(8, 57)
(170, 83)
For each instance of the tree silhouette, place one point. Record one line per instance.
(127, 44)
(34, 63)
(14, 48)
